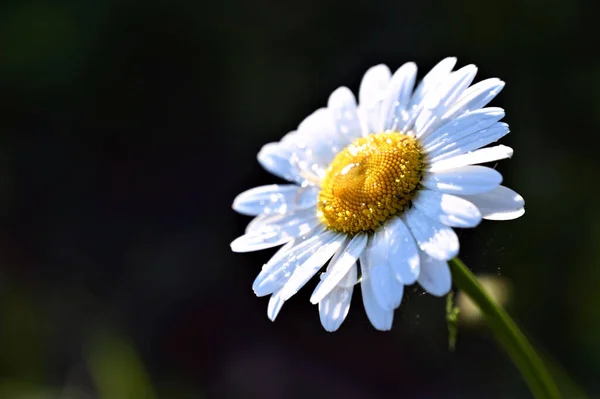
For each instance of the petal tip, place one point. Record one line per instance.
(236, 246)
(470, 69)
(315, 298)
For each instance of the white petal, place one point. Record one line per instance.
(434, 238)
(293, 220)
(447, 209)
(293, 223)
(501, 203)
(476, 96)
(437, 103)
(373, 84)
(466, 180)
(433, 79)
(276, 229)
(280, 267)
(285, 163)
(470, 143)
(349, 280)
(435, 275)
(275, 198)
(402, 252)
(311, 266)
(318, 135)
(482, 155)
(451, 87)
(395, 103)
(343, 106)
(289, 140)
(275, 304)
(257, 241)
(340, 266)
(386, 288)
(461, 127)
(334, 308)
(377, 249)
(257, 223)
(371, 94)
(321, 121)
(430, 82)
(284, 252)
(380, 318)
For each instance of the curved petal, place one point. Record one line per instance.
(259, 240)
(482, 155)
(435, 275)
(276, 229)
(371, 94)
(271, 221)
(340, 266)
(317, 135)
(345, 114)
(311, 266)
(275, 198)
(401, 251)
(395, 102)
(334, 307)
(434, 238)
(476, 97)
(387, 289)
(379, 317)
(447, 209)
(461, 127)
(502, 203)
(470, 143)
(277, 271)
(257, 223)
(439, 101)
(287, 164)
(430, 82)
(275, 304)
(466, 180)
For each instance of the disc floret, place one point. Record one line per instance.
(369, 181)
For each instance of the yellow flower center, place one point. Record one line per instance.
(369, 181)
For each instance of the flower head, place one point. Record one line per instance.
(379, 186)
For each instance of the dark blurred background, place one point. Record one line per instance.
(127, 128)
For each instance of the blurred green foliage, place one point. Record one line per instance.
(117, 370)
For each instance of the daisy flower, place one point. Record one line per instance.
(376, 189)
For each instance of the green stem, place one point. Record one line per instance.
(507, 332)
